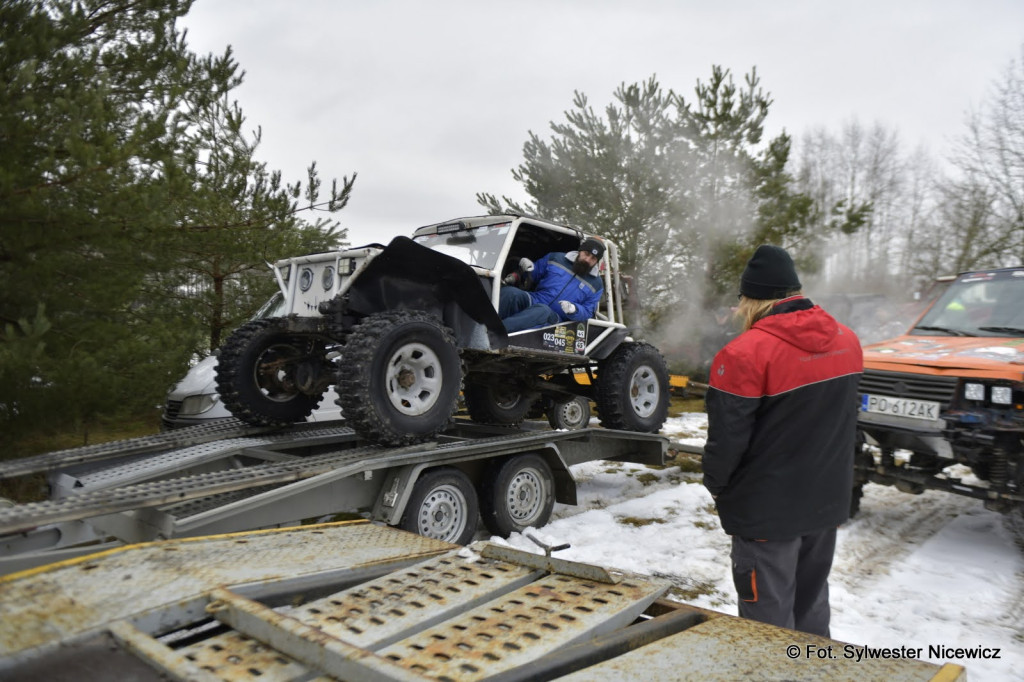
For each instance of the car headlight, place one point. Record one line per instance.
(1002, 395)
(974, 391)
(305, 279)
(197, 404)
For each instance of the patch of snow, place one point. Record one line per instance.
(933, 570)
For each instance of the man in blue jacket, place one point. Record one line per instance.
(565, 286)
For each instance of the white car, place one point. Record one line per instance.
(194, 400)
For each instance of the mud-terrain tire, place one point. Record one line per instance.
(489, 404)
(443, 505)
(256, 373)
(632, 389)
(517, 493)
(400, 377)
(569, 414)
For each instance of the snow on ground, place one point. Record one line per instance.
(934, 570)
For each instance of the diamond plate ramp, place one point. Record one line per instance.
(41, 607)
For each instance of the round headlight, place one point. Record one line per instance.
(328, 278)
(305, 279)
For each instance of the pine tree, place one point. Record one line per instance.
(104, 180)
(685, 189)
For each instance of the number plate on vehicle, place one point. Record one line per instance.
(900, 407)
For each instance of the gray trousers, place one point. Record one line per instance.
(785, 582)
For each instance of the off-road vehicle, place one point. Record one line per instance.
(400, 330)
(951, 391)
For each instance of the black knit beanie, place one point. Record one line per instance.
(769, 274)
(594, 246)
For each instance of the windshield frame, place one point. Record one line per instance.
(481, 246)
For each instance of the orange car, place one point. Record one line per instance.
(951, 390)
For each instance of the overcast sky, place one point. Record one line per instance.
(431, 102)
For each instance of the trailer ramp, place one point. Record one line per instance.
(355, 601)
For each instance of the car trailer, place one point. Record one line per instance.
(229, 476)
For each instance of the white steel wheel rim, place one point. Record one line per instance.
(442, 516)
(414, 379)
(524, 497)
(572, 413)
(644, 391)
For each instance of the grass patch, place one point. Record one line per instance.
(647, 479)
(637, 522)
(54, 437)
(687, 593)
(687, 463)
(678, 406)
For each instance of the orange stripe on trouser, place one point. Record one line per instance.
(753, 587)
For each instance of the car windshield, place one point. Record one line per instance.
(978, 304)
(274, 307)
(477, 246)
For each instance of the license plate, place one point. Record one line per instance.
(899, 407)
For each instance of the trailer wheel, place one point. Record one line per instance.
(517, 493)
(400, 377)
(443, 506)
(490, 404)
(570, 414)
(632, 389)
(260, 370)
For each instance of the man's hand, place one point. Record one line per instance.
(567, 307)
(526, 265)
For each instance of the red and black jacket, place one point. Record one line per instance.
(782, 419)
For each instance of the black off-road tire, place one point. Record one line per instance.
(400, 377)
(489, 404)
(855, 497)
(517, 493)
(863, 460)
(255, 378)
(632, 389)
(443, 505)
(569, 414)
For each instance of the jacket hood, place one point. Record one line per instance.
(802, 324)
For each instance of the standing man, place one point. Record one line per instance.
(782, 420)
(564, 286)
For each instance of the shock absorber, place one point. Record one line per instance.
(999, 472)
